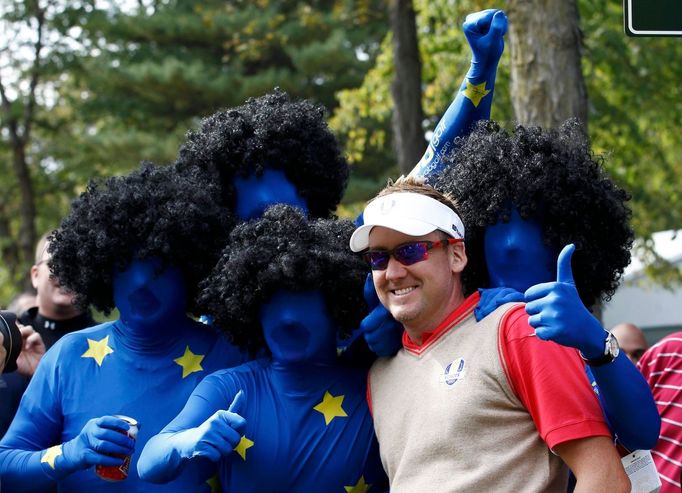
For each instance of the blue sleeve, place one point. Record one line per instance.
(29, 459)
(457, 121)
(492, 298)
(161, 460)
(485, 32)
(627, 403)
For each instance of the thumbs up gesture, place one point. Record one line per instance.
(216, 437)
(557, 313)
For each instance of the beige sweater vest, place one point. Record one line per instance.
(447, 419)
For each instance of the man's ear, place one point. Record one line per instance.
(34, 276)
(458, 257)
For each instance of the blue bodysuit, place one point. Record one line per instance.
(308, 428)
(101, 371)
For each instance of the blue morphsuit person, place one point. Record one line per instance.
(553, 230)
(290, 286)
(129, 244)
(254, 194)
(270, 150)
(276, 150)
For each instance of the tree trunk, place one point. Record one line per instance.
(27, 209)
(547, 84)
(18, 129)
(406, 90)
(9, 251)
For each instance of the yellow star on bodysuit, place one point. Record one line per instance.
(360, 487)
(51, 454)
(214, 483)
(242, 446)
(330, 407)
(190, 362)
(475, 92)
(98, 350)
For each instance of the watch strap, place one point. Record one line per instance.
(609, 354)
(602, 360)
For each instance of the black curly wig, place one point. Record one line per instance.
(550, 176)
(152, 212)
(271, 131)
(284, 250)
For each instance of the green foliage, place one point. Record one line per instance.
(121, 81)
(187, 58)
(28, 128)
(363, 119)
(636, 113)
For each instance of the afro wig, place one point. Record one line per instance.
(271, 131)
(550, 176)
(284, 250)
(152, 212)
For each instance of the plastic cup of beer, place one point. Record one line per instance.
(119, 473)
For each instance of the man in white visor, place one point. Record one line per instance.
(467, 405)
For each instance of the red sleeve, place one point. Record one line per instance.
(550, 381)
(369, 395)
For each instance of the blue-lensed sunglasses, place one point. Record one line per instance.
(406, 254)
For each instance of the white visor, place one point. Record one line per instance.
(409, 213)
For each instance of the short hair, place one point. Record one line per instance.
(41, 246)
(271, 131)
(284, 250)
(549, 175)
(152, 212)
(414, 184)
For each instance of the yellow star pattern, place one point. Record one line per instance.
(360, 487)
(330, 407)
(190, 362)
(475, 92)
(51, 454)
(98, 350)
(214, 483)
(242, 447)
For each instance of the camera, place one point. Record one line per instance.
(11, 340)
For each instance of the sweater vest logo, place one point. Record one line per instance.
(454, 372)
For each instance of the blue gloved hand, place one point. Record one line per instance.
(216, 437)
(381, 331)
(557, 313)
(485, 32)
(99, 439)
(491, 298)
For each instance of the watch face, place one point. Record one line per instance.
(612, 347)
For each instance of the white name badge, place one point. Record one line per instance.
(640, 468)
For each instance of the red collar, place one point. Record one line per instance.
(430, 338)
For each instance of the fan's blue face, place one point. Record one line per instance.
(147, 298)
(516, 255)
(257, 193)
(297, 327)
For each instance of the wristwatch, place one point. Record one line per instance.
(611, 352)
